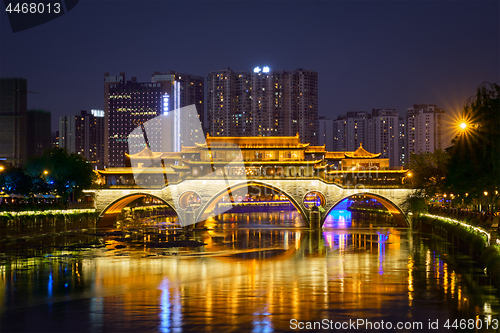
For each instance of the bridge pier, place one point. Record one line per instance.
(315, 218)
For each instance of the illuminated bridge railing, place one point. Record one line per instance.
(342, 179)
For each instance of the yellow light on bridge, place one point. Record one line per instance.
(485, 193)
(409, 174)
(45, 172)
(463, 125)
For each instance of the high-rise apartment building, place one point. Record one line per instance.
(326, 133)
(402, 142)
(129, 104)
(84, 135)
(376, 131)
(263, 103)
(382, 134)
(38, 135)
(340, 133)
(424, 129)
(13, 105)
(356, 129)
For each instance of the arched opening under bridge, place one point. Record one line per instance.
(109, 215)
(252, 204)
(364, 206)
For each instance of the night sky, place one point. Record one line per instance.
(376, 54)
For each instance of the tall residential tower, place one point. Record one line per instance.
(424, 129)
(263, 103)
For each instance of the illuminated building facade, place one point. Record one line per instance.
(129, 104)
(84, 135)
(382, 134)
(402, 142)
(263, 102)
(262, 157)
(424, 129)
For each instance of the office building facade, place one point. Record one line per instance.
(129, 104)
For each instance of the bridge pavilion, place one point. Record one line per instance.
(260, 158)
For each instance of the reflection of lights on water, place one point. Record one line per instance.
(338, 219)
(165, 307)
(487, 308)
(410, 280)
(50, 285)
(262, 322)
(336, 241)
(382, 238)
(96, 312)
(169, 322)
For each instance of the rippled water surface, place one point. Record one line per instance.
(250, 276)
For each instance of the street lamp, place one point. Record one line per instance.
(464, 126)
(45, 172)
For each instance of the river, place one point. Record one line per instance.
(257, 272)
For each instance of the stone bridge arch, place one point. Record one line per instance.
(203, 214)
(115, 207)
(397, 213)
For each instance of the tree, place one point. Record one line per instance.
(14, 180)
(415, 203)
(429, 171)
(475, 154)
(62, 172)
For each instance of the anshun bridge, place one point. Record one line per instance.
(208, 173)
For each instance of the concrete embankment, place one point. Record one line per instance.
(479, 242)
(20, 224)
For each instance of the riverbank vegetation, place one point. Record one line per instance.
(467, 174)
(47, 181)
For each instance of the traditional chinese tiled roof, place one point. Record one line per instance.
(145, 153)
(361, 153)
(315, 149)
(334, 155)
(254, 142)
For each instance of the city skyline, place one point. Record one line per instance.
(367, 55)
